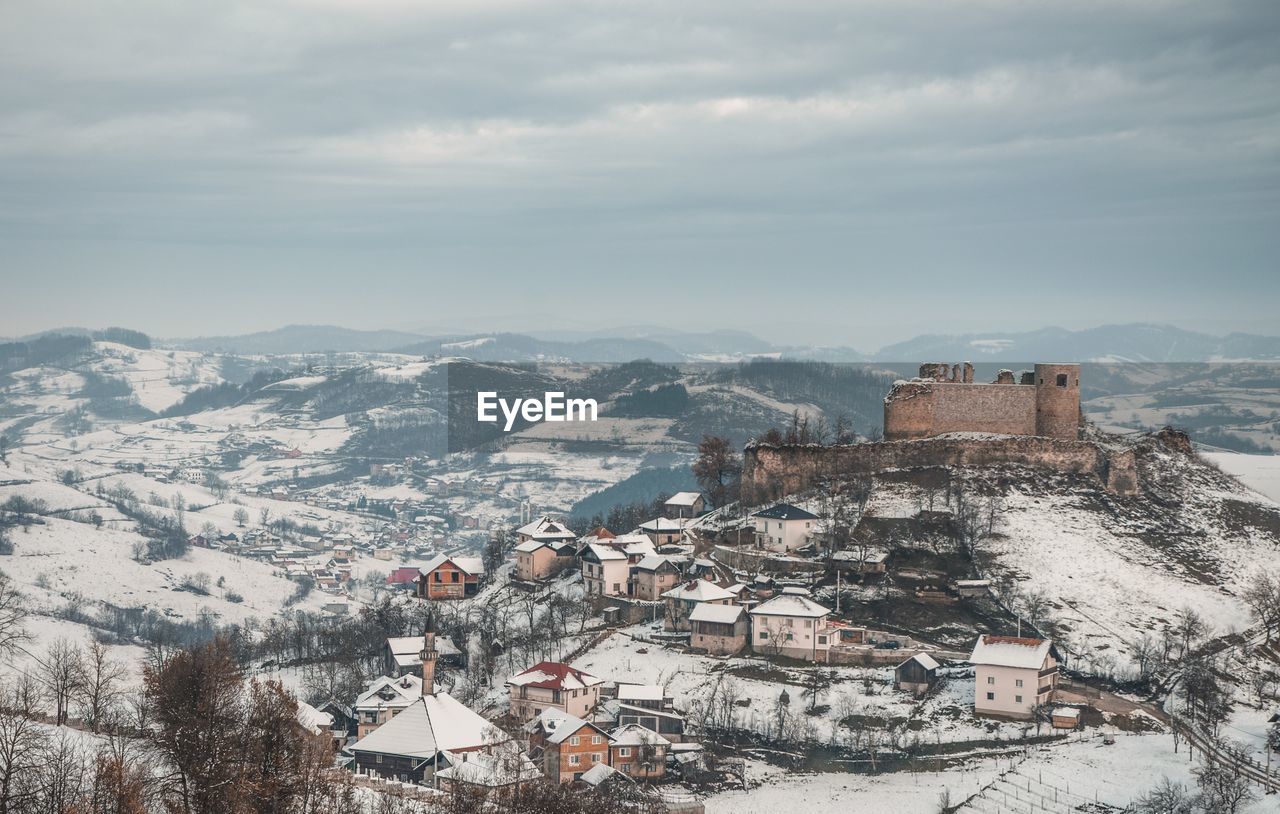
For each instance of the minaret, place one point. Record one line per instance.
(428, 657)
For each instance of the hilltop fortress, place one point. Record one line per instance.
(1044, 403)
(944, 419)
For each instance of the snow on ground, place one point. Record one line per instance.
(859, 691)
(62, 560)
(1109, 588)
(1259, 472)
(159, 378)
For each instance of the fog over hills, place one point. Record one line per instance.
(1135, 342)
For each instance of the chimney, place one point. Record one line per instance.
(428, 657)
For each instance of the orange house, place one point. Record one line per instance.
(570, 746)
(450, 577)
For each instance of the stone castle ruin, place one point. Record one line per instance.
(1044, 402)
(944, 419)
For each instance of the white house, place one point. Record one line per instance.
(605, 570)
(792, 625)
(784, 527)
(1014, 675)
(682, 599)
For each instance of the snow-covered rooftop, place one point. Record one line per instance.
(553, 675)
(1010, 651)
(699, 590)
(790, 605)
(722, 614)
(431, 724)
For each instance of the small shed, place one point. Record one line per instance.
(1065, 717)
(917, 675)
(972, 587)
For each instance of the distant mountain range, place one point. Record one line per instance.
(1137, 342)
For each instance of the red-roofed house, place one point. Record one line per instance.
(402, 577)
(551, 684)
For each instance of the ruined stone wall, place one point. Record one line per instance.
(924, 409)
(769, 471)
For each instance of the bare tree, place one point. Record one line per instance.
(12, 613)
(100, 687)
(63, 670)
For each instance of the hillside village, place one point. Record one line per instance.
(996, 580)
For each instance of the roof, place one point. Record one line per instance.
(659, 524)
(723, 614)
(386, 691)
(600, 773)
(699, 590)
(640, 692)
(790, 605)
(684, 499)
(785, 511)
(636, 735)
(1066, 712)
(432, 724)
(491, 771)
(313, 719)
(546, 529)
(924, 660)
(1010, 651)
(402, 575)
(405, 649)
(653, 562)
(560, 727)
(473, 566)
(554, 675)
(604, 552)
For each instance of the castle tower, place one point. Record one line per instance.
(428, 657)
(1058, 401)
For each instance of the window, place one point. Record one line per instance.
(808, 623)
(575, 740)
(991, 679)
(624, 751)
(574, 760)
(822, 640)
(1062, 380)
(453, 576)
(1018, 683)
(764, 634)
(595, 740)
(595, 757)
(377, 759)
(991, 696)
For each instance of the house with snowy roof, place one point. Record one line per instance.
(916, 675)
(683, 598)
(792, 625)
(566, 746)
(605, 570)
(685, 504)
(784, 527)
(652, 576)
(1013, 674)
(540, 559)
(553, 684)
(545, 529)
(663, 531)
(638, 752)
(445, 577)
(721, 630)
(428, 735)
(401, 654)
(491, 775)
(384, 698)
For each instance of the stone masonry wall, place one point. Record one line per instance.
(770, 471)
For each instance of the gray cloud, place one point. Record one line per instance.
(898, 164)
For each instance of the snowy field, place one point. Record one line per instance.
(1259, 472)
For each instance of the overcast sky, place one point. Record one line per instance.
(852, 172)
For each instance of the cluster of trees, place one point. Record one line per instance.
(1221, 788)
(803, 429)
